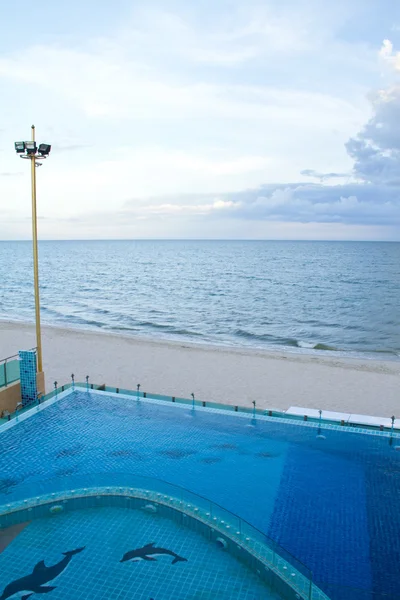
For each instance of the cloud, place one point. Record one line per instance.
(170, 209)
(349, 204)
(389, 56)
(376, 149)
(227, 41)
(323, 176)
(102, 85)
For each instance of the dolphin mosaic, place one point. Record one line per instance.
(35, 582)
(148, 552)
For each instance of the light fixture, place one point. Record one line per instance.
(44, 149)
(30, 147)
(19, 147)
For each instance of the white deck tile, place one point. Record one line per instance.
(328, 415)
(377, 421)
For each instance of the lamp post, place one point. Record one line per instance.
(30, 151)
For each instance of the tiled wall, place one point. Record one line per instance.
(28, 376)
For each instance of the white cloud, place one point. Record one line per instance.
(184, 209)
(387, 54)
(228, 40)
(101, 87)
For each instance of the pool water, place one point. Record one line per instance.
(106, 534)
(332, 502)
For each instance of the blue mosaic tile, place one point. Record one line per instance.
(324, 518)
(28, 376)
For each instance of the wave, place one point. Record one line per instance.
(285, 341)
(261, 337)
(81, 321)
(318, 346)
(102, 311)
(127, 323)
(168, 328)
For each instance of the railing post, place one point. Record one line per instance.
(5, 373)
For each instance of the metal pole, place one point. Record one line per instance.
(35, 260)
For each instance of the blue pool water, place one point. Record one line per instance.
(106, 534)
(333, 502)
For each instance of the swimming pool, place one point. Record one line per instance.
(330, 501)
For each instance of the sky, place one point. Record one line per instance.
(273, 119)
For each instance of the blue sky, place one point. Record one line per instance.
(214, 119)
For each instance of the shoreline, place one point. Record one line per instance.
(230, 375)
(289, 351)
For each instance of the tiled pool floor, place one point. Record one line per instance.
(106, 535)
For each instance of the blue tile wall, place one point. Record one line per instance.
(28, 376)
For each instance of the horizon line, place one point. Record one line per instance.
(27, 240)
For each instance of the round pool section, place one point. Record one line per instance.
(89, 543)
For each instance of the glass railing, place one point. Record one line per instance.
(256, 412)
(9, 371)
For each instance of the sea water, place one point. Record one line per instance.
(321, 297)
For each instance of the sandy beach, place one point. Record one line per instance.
(228, 375)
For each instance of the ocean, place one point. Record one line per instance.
(339, 298)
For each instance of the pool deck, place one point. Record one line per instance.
(347, 418)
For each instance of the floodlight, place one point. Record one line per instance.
(19, 147)
(30, 147)
(44, 149)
